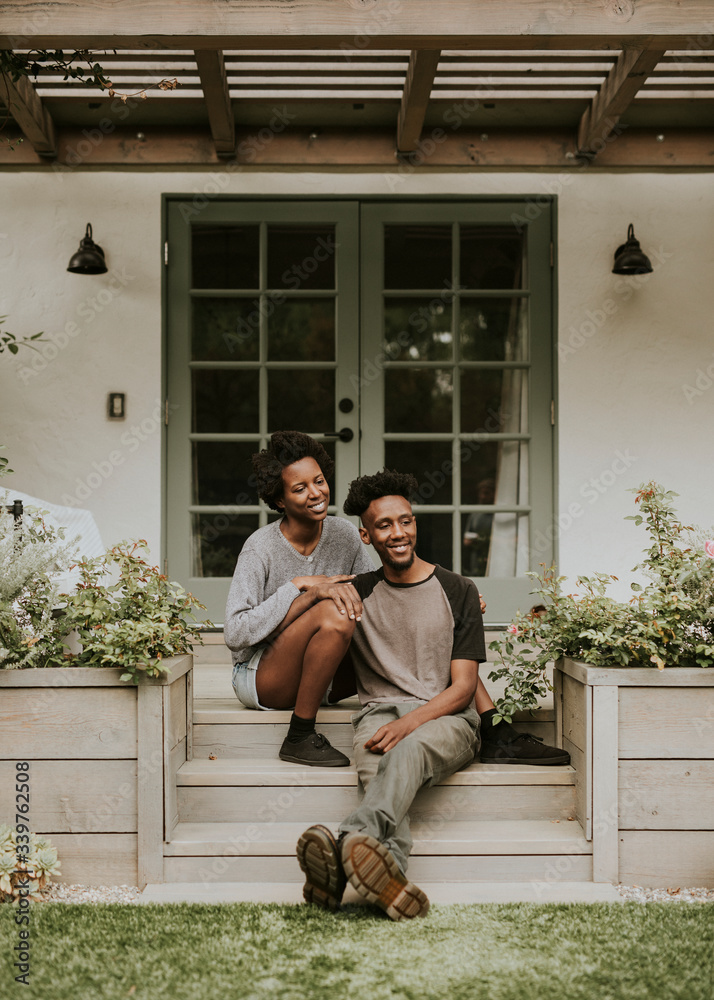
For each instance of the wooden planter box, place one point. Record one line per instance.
(103, 758)
(642, 743)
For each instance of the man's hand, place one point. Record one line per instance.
(343, 594)
(483, 603)
(388, 736)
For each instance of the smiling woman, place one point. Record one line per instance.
(291, 608)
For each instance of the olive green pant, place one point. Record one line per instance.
(423, 758)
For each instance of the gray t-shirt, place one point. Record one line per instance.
(410, 632)
(262, 590)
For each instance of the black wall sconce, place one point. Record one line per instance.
(629, 258)
(89, 259)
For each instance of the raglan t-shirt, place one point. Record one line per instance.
(410, 632)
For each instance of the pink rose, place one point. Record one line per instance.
(513, 629)
(709, 548)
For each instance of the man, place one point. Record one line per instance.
(416, 653)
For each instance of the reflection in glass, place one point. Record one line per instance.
(224, 402)
(492, 257)
(225, 330)
(494, 544)
(217, 540)
(225, 256)
(221, 472)
(302, 330)
(301, 400)
(434, 542)
(301, 255)
(429, 461)
(493, 329)
(417, 400)
(418, 329)
(479, 469)
(493, 401)
(417, 256)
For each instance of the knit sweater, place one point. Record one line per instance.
(262, 589)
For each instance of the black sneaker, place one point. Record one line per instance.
(373, 871)
(319, 858)
(521, 749)
(315, 750)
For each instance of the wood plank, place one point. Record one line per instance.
(666, 724)
(604, 771)
(505, 148)
(177, 757)
(189, 715)
(67, 723)
(477, 24)
(97, 858)
(638, 676)
(541, 869)
(617, 92)
(35, 121)
(332, 803)
(69, 677)
(575, 712)
(214, 83)
(76, 796)
(668, 858)
(666, 795)
(583, 788)
(421, 71)
(150, 798)
(177, 715)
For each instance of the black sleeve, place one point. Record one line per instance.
(365, 583)
(463, 596)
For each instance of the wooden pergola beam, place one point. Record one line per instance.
(538, 148)
(408, 24)
(32, 118)
(214, 83)
(419, 80)
(616, 94)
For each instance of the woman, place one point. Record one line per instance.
(291, 610)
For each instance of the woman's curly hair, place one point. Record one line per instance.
(285, 448)
(387, 483)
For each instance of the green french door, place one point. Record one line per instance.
(413, 335)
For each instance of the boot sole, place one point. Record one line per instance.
(370, 867)
(314, 763)
(549, 762)
(319, 859)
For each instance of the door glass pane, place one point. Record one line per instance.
(225, 402)
(494, 544)
(496, 467)
(217, 540)
(302, 330)
(301, 255)
(493, 329)
(493, 401)
(418, 329)
(301, 400)
(221, 470)
(434, 542)
(225, 330)
(492, 257)
(225, 256)
(417, 400)
(417, 256)
(429, 461)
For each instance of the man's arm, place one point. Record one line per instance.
(458, 696)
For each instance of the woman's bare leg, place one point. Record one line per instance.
(298, 666)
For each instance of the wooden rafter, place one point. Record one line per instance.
(423, 64)
(31, 116)
(214, 82)
(409, 24)
(617, 92)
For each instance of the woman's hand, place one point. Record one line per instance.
(344, 595)
(304, 583)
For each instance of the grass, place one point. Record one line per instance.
(254, 952)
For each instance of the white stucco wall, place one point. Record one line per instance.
(627, 351)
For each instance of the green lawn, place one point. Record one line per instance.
(506, 952)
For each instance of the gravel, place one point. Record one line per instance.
(60, 893)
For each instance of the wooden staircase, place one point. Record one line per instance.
(239, 810)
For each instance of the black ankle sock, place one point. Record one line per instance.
(300, 728)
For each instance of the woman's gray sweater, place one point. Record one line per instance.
(262, 589)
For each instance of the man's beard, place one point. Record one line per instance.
(399, 566)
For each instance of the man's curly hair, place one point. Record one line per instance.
(285, 448)
(387, 483)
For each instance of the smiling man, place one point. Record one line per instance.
(416, 653)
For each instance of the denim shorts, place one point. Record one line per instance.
(244, 682)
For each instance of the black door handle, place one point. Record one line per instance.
(344, 435)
